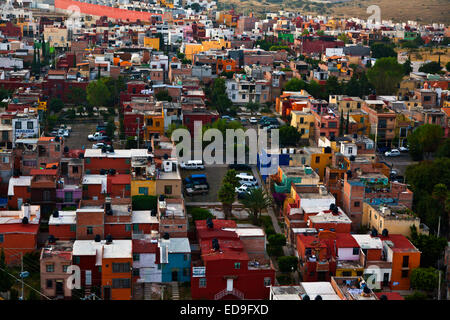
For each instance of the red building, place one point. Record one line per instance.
(19, 191)
(202, 115)
(225, 270)
(119, 185)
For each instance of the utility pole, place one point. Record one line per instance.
(439, 227)
(439, 286)
(138, 127)
(21, 273)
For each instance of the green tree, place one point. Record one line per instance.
(77, 96)
(295, 85)
(252, 107)
(407, 67)
(56, 105)
(425, 279)
(431, 247)
(382, 50)
(431, 67)
(110, 128)
(163, 95)
(425, 140)
(230, 177)
(333, 86)
(256, 201)
(341, 124)
(172, 127)
(218, 96)
(142, 202)
(199, 213)
(386, 75)
(6, 281)
(343, 37)
(347, 122)
(288, 263)
(97, 93)
(227, 195)
(277, 239)
(447, 66)
(289, 136)
(444, 149)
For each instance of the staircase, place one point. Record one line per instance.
(147, 291)
(175, 291)
(224, 292)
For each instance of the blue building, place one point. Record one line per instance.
(269, 160)
(175, 259)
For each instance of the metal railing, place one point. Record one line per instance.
(235, 292)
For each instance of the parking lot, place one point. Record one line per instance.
(398, 163)
(78, 136)
(214, 175)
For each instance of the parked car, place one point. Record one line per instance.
(403, 149)
(253, 120)
(97, 136)
(193, 189)
(192, 165)
(392, 153)
(100, 145)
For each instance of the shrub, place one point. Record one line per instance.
(199, 213)
(274, 251)
(284, 279)
(277, 239)
(144, 202)
(287, 263)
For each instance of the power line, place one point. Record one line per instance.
(26, 284)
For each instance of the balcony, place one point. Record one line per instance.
(322, 266)
(235, 292)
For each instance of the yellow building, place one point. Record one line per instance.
(346, 103)
(304, 122)
(319, 160)
(397, 219)
(349, 269)
(42, 105)
(190, 49)
(142, 187)
(151, 43)
(56, 36)
(361, 120)
(228, 19)
(154, 123)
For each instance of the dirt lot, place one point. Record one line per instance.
(78, 136)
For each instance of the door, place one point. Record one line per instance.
(107, 293)
(59, 287)
(229, 284)
(19, 203)
(386, 279)
(174, 275)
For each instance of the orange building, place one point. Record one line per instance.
(117, 260)
(226, 65)
(404, 256)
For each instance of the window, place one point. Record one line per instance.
(168, 189)
(405, 273)
(350, 149)
(30, 125)
(202, 283)
(355, 251)
(73, 228)
(76, 260)
(50, 268)
(143, 190)
(405, 262)
(357, 204)
(266, 282)
(89, 230)
(186, 272)
(135, 272)
(128, 227)
(18, 125)
(120, 267)
(46, 195)
(68, 196)
(359, 273)
(317, 159)
(49, 284)
(136, 256)
(346, 273)
(2, 238)
(65, 268)
(237, 265)
(57, 148)
(121, 283)
(74, 169)
(186, 257)
(127, 187)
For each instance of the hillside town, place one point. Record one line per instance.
(352, 203)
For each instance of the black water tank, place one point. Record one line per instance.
(374, 232)
(383, 297)
(51, 239)
(55, 214)
(25, 220)
(109, 238)
(385, 232)
(166, 236)
(209, 223)
(166, 156)
(97, 238)
(81, 156)
(66, 149)
(352, 158)
(318, 297)
(161, 197)
(306, 297)
(102, 171)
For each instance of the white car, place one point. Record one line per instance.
(403, 149)
(96, 136)
(100, 145)
(392, 153)
(253, 120)
(242, 188)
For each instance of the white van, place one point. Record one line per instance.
(247, 179)
(192, 165)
